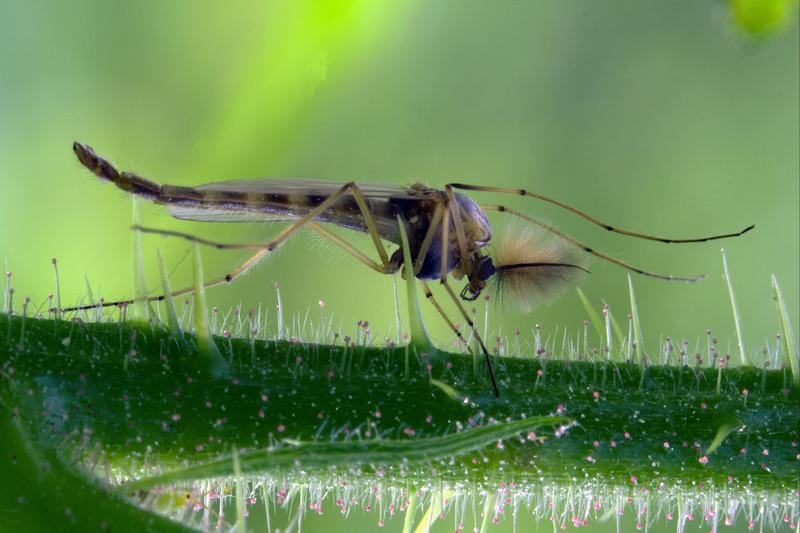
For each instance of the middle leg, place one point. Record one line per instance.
(464, 314)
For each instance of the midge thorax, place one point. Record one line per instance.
(448, 232)
(419, 218)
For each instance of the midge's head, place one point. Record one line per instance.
(482, 269)
(526, 266)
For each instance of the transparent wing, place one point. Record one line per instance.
(308, 186)
(202, 214)
(282, 210)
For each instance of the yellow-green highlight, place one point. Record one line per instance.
(762, 18)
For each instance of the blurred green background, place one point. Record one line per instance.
(677, 118)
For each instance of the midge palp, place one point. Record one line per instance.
(448, 233)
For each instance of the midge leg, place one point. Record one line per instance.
(458, 223)
(443, 280)
(426, 241)
(442, 215)
(445, 242)
(464, 314)
(346, 246)
(265, 249)
(587, 249)
(441, 208)
(246, 265)
(593, 220)
(429, 296)
(455, 212)
(471, 324)
(349, 248)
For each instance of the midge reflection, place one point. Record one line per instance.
(448, 232)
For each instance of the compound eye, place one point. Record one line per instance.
(485, 268)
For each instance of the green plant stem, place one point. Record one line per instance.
(169, 410)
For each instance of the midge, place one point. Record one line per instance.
(448, 232)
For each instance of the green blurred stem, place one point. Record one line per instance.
(43, 492)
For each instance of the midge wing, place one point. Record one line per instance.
(289, 199)
(307, 186)
(201, 214)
